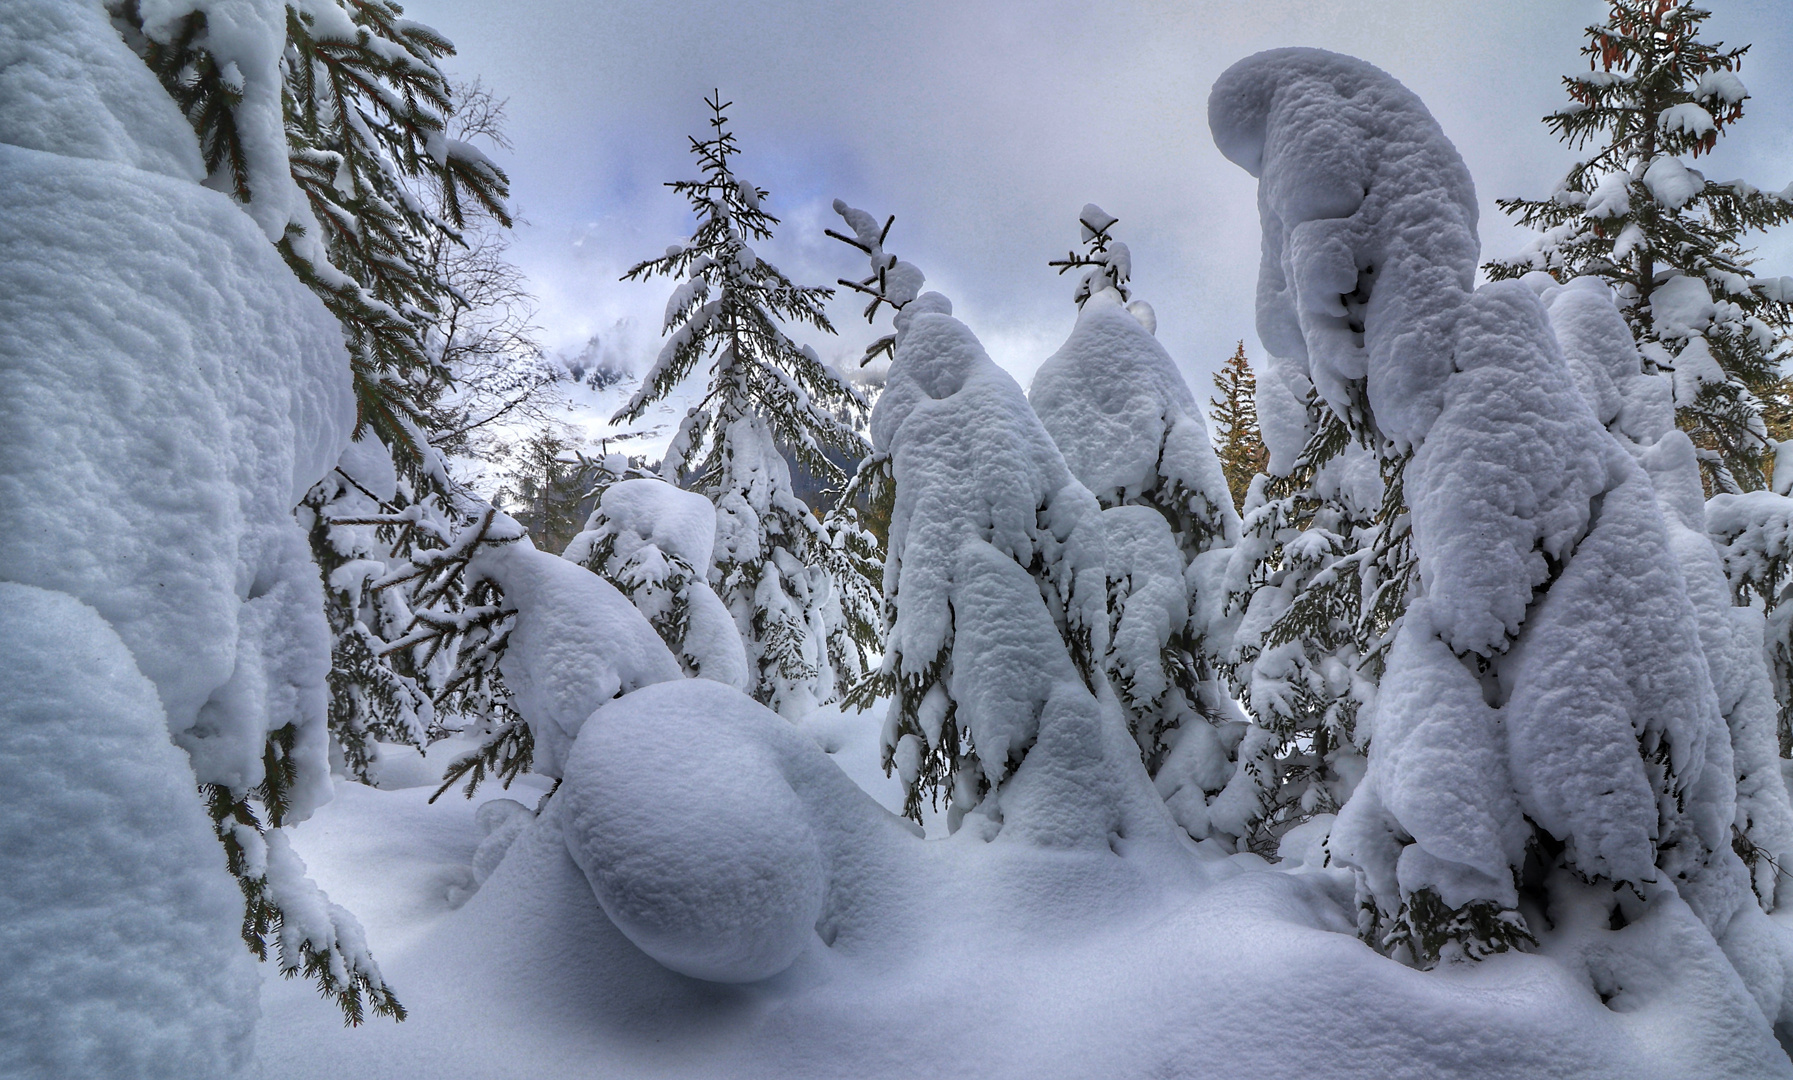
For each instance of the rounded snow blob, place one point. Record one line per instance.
(698, 850)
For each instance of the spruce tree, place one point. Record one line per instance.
(1668, 240)
(1234, 414)
(1317, 585)
(332, 139)
(765, 394)
(1131, 431)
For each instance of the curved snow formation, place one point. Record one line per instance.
(172, 390)
(1568, 661)
(724, 867)
(576, 644)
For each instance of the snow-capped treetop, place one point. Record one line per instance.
(1369, 220)
(1109, 263)
(644, 511)
(1130, 430)
(728, 305)
(1634, 213)
(892, 281)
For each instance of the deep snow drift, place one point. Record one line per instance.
(171, 390)
(949, 957)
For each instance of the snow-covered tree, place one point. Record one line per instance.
(1315, 588)
(1119, 411)
(1636, 215)
(994, 593)
(764, 393)
(1547, 716)
(652, 541)
(328, 121)
(1234, 415)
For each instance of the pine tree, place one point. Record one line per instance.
(1667, 239)
(992, 589)
(1234, 415)
(323, 145)
(1119, 411)
(1318, 584)
(765, 393)
(544, 489)
(653, 542)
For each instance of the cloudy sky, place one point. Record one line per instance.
(984, 127)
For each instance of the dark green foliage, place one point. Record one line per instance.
(765, 395)
(1653, 93)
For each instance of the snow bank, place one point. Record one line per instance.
(173, 391)
(118, 947)
(577, 643)
(1023, 960)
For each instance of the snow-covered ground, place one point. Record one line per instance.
(993, 960)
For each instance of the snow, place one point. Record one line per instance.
(1681, 307)
(1671, 182)
(1119, 411)
(1028, 962)
(169, 375)
(1568, 661)
(68, 87)
(1721, 84)
(659, 540)
(1687, 118)
(577, 643)
(118, 947)
(982, 497)
(1369, 222)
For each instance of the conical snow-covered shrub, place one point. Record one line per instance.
(1130, 431)
(1548, 715)
(653, 541)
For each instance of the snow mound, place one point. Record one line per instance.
(118, 946)
(715, 864)
(577, 643)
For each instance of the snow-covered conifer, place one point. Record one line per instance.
(1234, 415)
(764, 393)
(652, 541)
(1636, 215)
(1315, 588)
(316, 115)
(1119, 411)
(1547, 714)
(994, 589)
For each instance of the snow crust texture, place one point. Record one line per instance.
(1570, 661)
(118, 946)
